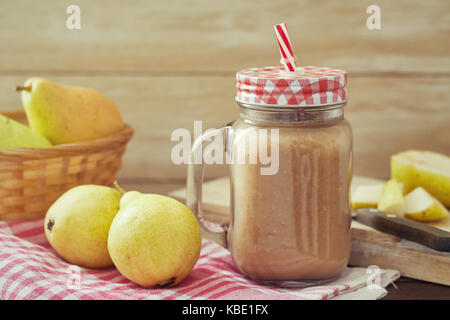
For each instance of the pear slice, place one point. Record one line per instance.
(391, 198)
(426, 169)
(421, 206)
(366, 196)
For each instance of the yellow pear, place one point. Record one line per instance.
(154, 240)
(77, 224)
(421, 206)
(13, 134)
(426, 169)
(391, 198)
(67, 114)
(366, 196)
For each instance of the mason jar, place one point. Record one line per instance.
(290, 155)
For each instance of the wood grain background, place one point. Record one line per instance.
(168, 63)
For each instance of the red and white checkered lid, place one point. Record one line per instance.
(307, 86)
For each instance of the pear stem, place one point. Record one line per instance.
(26, 88)
(118, 187)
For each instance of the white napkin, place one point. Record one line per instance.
(365, 283)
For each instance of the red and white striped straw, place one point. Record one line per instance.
(284, 43)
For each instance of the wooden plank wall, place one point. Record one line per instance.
(168, 63)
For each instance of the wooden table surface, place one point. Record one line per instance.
(167, 64)
(404, 288)
(410, 289)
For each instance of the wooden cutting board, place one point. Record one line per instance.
(369, 246)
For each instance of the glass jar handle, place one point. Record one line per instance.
(195, 173)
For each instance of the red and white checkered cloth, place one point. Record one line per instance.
(30, 269)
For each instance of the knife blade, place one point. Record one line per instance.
(404, 228)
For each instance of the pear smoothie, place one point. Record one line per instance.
(294, 224)
(292, 227)
(290, 216)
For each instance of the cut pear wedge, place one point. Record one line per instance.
(366, 196)
(426, 169)
(391, 198)
(421, 206)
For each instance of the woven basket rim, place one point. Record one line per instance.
(118, 138)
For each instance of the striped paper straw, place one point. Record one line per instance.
(284, 43)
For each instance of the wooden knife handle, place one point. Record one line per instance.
(405, 228)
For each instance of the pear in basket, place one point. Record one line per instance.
(15, 135)
(67, 114)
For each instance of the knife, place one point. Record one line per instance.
(408, 229)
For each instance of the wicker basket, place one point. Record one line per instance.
(31, 179)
